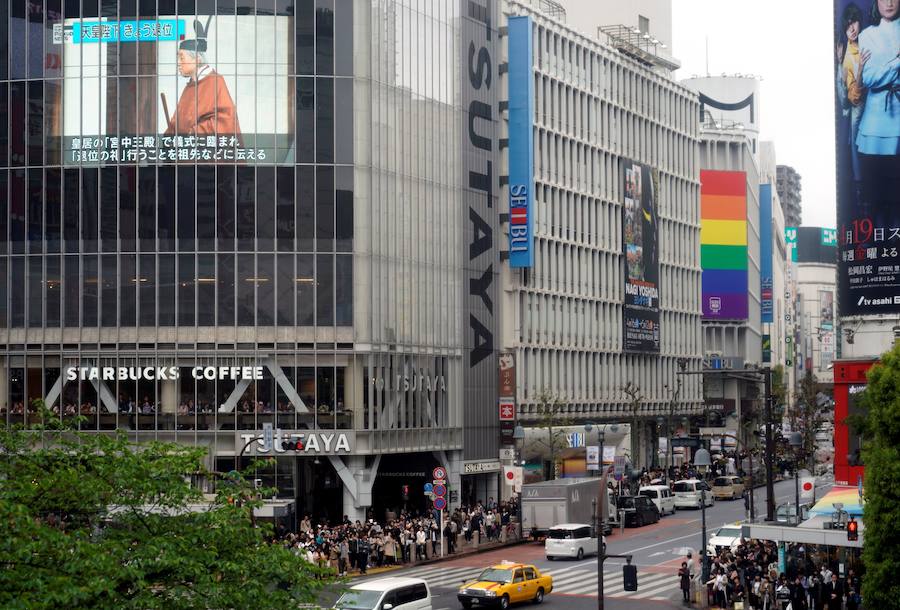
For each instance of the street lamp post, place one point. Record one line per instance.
(600, 522)
(796, 443)
(702, 462)
(519, 435)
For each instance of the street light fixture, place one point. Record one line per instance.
(519, 435)
(702, 462)
(796, 442)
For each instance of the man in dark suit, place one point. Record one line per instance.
(834, 593)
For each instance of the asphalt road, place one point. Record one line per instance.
(656, 549)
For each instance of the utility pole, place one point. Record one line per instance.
(770, 448)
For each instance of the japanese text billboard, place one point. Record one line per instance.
(204, 89)
(867, 129)
(641, 184)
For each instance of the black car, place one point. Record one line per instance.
(639, 510)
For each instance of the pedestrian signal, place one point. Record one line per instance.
(853, 529)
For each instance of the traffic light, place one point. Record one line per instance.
(629, 577)
(292, 445)
(852, 529)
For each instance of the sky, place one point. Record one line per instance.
(789, 45)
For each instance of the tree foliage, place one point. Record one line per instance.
(881, 452)
(551, 418)
(95, 521)
(806, 416)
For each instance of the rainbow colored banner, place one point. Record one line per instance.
(723, 244)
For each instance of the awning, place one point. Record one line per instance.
(811, 531)
(846, 495)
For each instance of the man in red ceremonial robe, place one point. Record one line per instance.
(205, 107)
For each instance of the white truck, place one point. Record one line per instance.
(550, 503)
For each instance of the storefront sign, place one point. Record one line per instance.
(507, 410)
(420, 380)
(479, 467)
(160, 373)
(507, 363)
(308, 442)
(521, 143)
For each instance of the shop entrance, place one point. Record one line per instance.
(400, 485)
(319, 490)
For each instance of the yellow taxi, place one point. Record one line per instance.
(504, 584)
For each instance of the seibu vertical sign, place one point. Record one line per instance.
(521, 144)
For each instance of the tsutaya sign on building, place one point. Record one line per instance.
(160, 373)
(419, 380)
(307, 442)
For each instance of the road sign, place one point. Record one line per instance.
(428, 488)
(619, 465)
(439, 473)
(440, 503)
(439, 490)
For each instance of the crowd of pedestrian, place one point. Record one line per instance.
(408, 537)
(748, 577)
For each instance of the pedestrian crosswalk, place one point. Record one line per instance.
(567, 580)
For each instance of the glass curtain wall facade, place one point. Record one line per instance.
(299, 217)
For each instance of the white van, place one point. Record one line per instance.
(570, 540)
(392, 593)
(661, 496)
(687, 493)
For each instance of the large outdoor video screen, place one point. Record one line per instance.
(867, 127)
(201, 89)
(641, 219)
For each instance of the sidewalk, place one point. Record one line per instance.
(462, 550)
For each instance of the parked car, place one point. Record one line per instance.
(392, 593)
(639, 510)
(660, 495)
(687, 493)
(729, 486)
(504, 584)
(571, 540)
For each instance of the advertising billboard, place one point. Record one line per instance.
(723, 244)
(641, 243)
(766, 244)
(521, 144)
(867, 131)
(200, 89)
(826, 309)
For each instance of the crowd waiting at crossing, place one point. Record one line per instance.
(748, 577)
(354, 546)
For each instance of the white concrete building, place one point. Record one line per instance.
(817, 291)
(597, 112)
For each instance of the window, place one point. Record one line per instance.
(519, 577)
(410, 594)
(529, 572)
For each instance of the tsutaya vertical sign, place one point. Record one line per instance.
(478, 85)
(521, 143)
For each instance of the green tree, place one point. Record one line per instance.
(635, 398)
(552, 419)
(881, 453)
(95, 521)
(806, 417)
